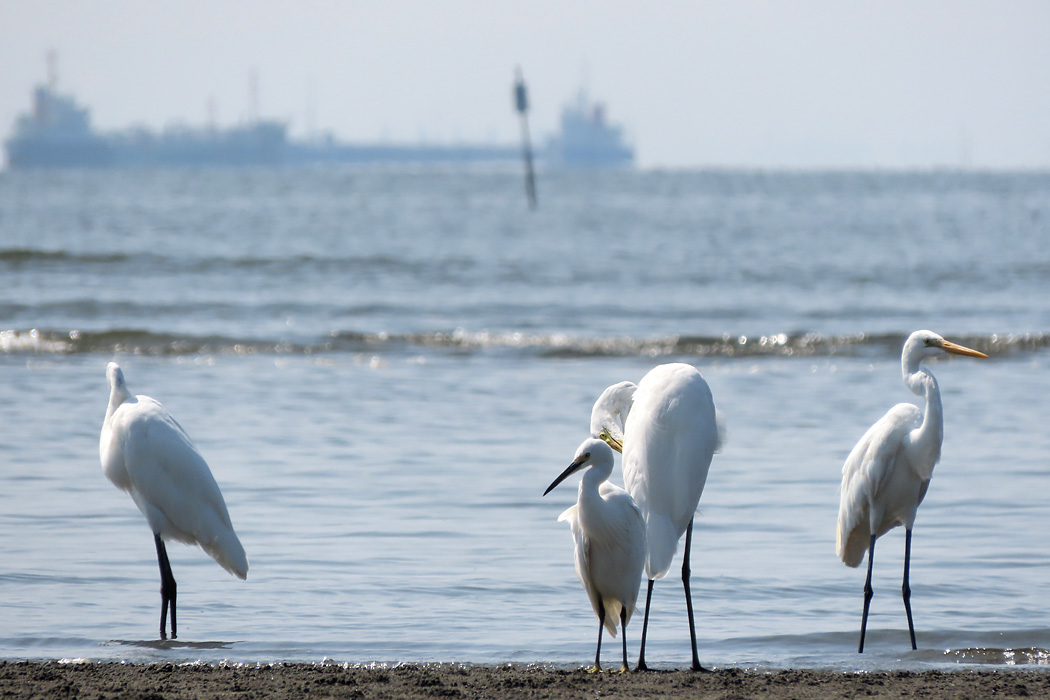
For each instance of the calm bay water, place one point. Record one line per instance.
(385, 370)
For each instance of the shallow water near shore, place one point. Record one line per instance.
(385, 370)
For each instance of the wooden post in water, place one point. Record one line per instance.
(521, 103)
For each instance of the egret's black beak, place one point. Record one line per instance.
(569, 471)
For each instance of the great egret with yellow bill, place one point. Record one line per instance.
(885, 476)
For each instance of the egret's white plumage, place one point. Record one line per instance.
(145, 452)
(668, 429)
(886, 475)
(609, 535)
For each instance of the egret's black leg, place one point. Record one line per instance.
(906, 589)
(868, 592)
(167, 588)
(623, 633)
(601, 624)
(688, 598)
(645, 628)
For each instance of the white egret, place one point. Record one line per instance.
(609, 533)
(145, 452)
(667, 428)
(885, 476)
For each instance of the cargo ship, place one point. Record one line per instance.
(587, 139)
(57, 133)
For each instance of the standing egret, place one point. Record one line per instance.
(145, 452)
(667, 428)
(609, 533)
(887, 473)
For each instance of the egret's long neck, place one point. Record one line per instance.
(117, 396)
(593, 513)
(927, 438)
(592, 479)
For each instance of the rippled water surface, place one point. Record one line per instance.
(385, 370)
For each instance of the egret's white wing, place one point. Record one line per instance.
(865, 472)
(609, 562)
(581, 556)
(671, 434)
(617, 560)
(173, 486)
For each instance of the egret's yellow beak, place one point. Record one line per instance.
(956, 349)
(611, 441)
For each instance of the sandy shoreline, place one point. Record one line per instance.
(156, 681)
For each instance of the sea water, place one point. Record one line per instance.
(385, 369)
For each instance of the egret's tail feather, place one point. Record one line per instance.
(612, 615)
(226, 549)
(852, 550)
(662, 539)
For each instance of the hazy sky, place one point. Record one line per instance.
(897, 83)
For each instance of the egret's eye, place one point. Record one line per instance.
(586, 456)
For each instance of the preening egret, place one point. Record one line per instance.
(667, 428)
(887, 473)
(609, 533)
(145, 452)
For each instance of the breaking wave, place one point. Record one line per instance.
(143, 342)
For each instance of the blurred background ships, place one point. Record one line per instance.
(57, 133)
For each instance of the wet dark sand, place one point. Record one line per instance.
(156, 681)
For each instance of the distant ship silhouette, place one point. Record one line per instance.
(57, 133)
